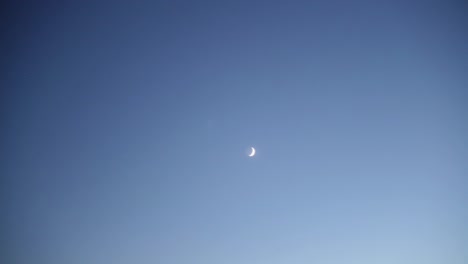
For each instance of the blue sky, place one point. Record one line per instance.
(127, 127)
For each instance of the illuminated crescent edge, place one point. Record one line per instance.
(253, 152)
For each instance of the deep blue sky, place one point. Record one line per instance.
(126, 128)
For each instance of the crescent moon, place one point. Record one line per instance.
(252, 153)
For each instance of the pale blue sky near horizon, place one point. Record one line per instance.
(127, 127)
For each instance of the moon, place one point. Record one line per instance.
(252, 153)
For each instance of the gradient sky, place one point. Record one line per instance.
(126, 128)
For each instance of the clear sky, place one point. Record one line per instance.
(126, 129)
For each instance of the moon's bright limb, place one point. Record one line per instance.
(252, 153)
